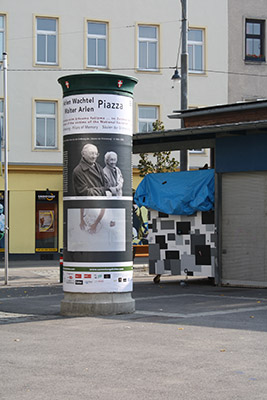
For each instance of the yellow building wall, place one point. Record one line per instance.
(23, 182)
(136, 178)
(21, 221)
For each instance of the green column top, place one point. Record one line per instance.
(97, 82)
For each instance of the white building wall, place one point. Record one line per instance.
(27, 82)
(210, 89)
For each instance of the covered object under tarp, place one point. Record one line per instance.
(177, 193)
(180, 221)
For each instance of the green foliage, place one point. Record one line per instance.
(158, 126)
(163, 163)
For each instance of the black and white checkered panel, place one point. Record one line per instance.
(182, 245)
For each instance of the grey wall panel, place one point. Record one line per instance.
(244, 227)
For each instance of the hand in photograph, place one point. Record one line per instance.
(90, 221)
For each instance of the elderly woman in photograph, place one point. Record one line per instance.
(113, 174)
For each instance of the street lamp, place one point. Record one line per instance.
(184, 74)
(183, 78)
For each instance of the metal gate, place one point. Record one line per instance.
(244, 229)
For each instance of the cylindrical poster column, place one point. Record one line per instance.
(97, 140)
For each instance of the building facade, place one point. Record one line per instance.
(47, 40)
(247, 50)
(237, 132)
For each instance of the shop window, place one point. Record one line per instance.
(46, 222)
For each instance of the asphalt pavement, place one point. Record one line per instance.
(184, 341)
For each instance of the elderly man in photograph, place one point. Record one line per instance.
(113, 174)
(88, 176)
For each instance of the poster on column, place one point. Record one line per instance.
(97, 113)
(97, 165)
(97, 190)
(97, 231)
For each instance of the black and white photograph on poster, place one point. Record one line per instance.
(74, 222)
(96, 229)
(97, 166)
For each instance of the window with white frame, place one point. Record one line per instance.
(255, 38)
(46, 41)
(196, 50)
(97, 44)
(146, 116)
(45, 124)
(2, 122)
(148, 52)
(2, 36)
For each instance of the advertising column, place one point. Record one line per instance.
(97, 181)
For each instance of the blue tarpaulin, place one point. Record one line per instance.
(177, 193)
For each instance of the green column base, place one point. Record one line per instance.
(89, 304)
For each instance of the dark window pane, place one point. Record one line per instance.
(51, 48)
(51, 132)
(96, 28)
(195, 35)
(41, 45)
(198, 58)
(40, 132)
(143, 55)
(46, 24)
(148, 32)
(152, 55)
(91, 51)
(102, 52)
(253, 28)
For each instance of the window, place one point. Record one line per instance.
(97, 44)
(196, 50)
(45, 132)
(2, 36)
(255, 38)
(148, 48)
(2, 123)
(197, 151)
(146, 116)
(46, 41)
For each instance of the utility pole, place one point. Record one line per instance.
(6, 164)
(184, 74)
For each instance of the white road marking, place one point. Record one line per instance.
(200, 314)
(220, 296)
(4, 314)
(26, 296)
